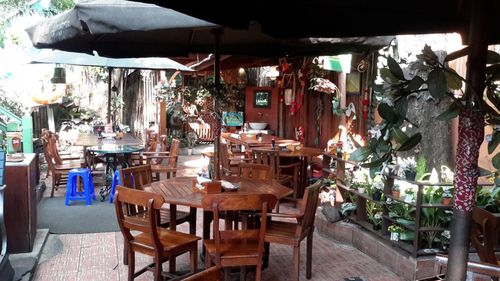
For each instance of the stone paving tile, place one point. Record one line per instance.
(99, 256)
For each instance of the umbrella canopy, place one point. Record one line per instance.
(63, 57)
(117, 28)
(339, 18)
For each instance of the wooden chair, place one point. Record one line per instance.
(210, 274)
(49, 141)
(160, 243)
(138, 178)
(485, 269)
(271, 157)
(164, 162)
(237, 247)
(141, 176)
(59, 172)
(254, 171)
(484, 235)
(292, 233)
(230, 164)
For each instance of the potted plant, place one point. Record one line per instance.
(191, 139)
(395, 231)
(447, 196)
(376, 220)
(396, 190)
(377, 188)
(445, 239)
(409, 167)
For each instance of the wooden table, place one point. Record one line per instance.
(179, 191)
(250, 140)
(86, 140)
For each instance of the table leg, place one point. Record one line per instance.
(173, 227)
(207, 219)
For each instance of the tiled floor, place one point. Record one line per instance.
(98, 256)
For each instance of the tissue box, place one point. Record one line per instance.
(207, 187)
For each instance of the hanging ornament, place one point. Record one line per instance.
(299, 133)
(365, 102)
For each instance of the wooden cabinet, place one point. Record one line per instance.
(21, 179)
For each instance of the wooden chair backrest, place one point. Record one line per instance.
(48, 155)
(224, 157)
(242, 202)
(174, 153)
(163, 143)
(268, 157)
(136, 177)
(255, 171)
(210, 274)
(484, 234)
(51, 141)
(126, 198)
(151, 141)
(308, 209)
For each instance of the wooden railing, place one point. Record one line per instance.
(334, 165)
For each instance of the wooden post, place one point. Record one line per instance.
(162, 126)
(217, 33)
(110, 74)
(470, 137)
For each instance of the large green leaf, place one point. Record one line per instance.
(411, 142)
(387, 76)
(360, 154)
(415, 84)
(457, 54)
(401, 106)
(387, 112)
(493, 98)
(452, 112)
(453, 80)
(375, 163)
(399, 136)
(496, 161)
(495, 140)
(492, 57)
(437, 83)
(395, 68)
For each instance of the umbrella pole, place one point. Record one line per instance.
(471, 134)
(217, 126)
(110, 72)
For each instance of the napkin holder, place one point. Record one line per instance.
(207, 187)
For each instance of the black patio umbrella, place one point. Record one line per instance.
(73, 58)
(475, 20)
(117, 28)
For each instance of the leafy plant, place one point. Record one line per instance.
(433, 217)
(394, 228)
(421, 167)
(374, 212)
(489, 198)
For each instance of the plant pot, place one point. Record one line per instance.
(190, 151)
(377, 195)
(410, 175)
(446, 200)
(361, 190)
(395, 194)
(394, 236)
(376, 226)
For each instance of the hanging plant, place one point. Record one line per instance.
(323, 85)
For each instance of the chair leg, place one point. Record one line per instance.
(53, 185)
(296, 263)
(131, 265)
(227, 270)
(125, 255)
(309, 255)
(193, 258)
(243, 273)
(258, 272)
(158, 269)
(207, 260)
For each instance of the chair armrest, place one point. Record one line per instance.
(147, 153)
(289, 166)
(283, 215)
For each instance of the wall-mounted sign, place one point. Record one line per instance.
(262, 98)
(232, 119)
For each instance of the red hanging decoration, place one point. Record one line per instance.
(365, 102)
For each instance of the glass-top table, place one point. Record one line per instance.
(117, 157)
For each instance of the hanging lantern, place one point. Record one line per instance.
(59, 76)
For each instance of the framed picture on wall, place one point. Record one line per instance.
(353, 83)
(262, 98)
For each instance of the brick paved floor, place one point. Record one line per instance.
(98, 256)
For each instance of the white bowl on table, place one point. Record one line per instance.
(257, 125)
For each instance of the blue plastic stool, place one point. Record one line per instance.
(88, 186)
(116, 181)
